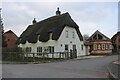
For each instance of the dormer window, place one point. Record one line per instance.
(38, 37)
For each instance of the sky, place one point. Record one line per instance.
(89, 16)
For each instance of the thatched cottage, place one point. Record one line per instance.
(58, 33)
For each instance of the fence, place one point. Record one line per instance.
(23, 56)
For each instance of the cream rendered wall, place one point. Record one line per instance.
(62, 40)
(75, 41)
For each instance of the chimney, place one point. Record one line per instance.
(34, 21)
(58, 12)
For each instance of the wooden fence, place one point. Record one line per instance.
(23, 56)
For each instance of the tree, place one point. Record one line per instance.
(2, 37)
(85, 37)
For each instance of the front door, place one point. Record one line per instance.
(74, 51)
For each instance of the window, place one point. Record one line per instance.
(81, 47)
(73, 34)
(66, 47)
(51, 49)
(119, 47)
(100, 37)
(95, 37)
(61, 45)
(99, 47)
(103, 46)
(28, 49)
(110, 46)
(119, 39)
(106, 46)
(39, 49)
(66, 34)
(95, 46)
(74, 47)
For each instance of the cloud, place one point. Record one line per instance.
(97, 16)
(61, 0)
(90, 16)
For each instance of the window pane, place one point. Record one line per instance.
(73, 34)
(100, 37)
(103, 46)
(66, 34)
(74, 47)
(52, 49)
(66, 47)
(28, 49)
(95, 46)
(107, 46)
(110, 46)
(95, 37)
(39, 49)
(81, 47)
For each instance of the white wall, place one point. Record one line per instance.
(62, 40)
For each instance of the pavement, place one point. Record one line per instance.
(113, 70)
(87, 57)
(78, 58)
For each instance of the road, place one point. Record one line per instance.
(87, 68)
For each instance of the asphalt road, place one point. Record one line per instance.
(88, 68)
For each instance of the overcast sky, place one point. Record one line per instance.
(90, 16)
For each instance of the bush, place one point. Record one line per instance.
(12, 54)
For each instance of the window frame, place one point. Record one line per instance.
(51, 49)
(81, 46)
(67, 35)
(66, 47)
(28, 49)
(39, 49)
(73, 34)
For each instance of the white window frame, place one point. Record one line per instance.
(94, 46)
(39, 49)
(67, 35)
(73, 34)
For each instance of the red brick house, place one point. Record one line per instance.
(10, 38)
(99, 44)
(116, 42)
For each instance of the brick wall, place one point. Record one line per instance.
(11, 39)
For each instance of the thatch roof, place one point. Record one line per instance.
(115, 36)
(53, 25)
